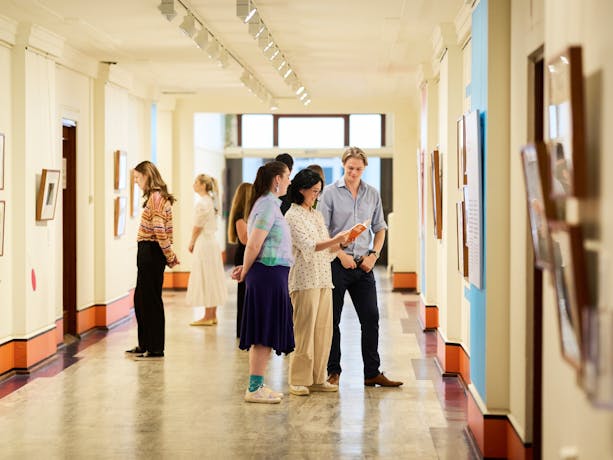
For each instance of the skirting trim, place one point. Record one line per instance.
(428, 316)
(175, 280)
(104, 315)
(404, 281)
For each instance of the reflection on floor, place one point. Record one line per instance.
(92, 402)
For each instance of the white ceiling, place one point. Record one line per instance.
(340, 49)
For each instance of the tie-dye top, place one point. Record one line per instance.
(277, 247)
(156, 224)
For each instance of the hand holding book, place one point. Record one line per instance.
(357, 230)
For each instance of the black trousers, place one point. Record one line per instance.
(148, 304)
(363, 292)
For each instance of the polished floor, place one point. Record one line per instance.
(92, 402)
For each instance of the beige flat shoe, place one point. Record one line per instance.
(204, 322)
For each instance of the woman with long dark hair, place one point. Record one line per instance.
(267, 316)
(154, 253)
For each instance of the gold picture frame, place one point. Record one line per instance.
(120, 215)
(48, 190)
(437, 193)
(121, 169)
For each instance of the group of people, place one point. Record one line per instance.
(295, 260)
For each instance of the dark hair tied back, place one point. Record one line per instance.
(305, 179)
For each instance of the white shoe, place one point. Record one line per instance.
(326, 386)
(275, 394)
(299, 390)
(261, 395)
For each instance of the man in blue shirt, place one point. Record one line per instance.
(343, 204)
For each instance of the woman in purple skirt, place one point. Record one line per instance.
(267, 312)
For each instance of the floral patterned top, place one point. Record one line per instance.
(311, 269)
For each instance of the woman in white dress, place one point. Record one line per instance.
(207, 284)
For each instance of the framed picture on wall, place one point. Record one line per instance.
(566, 123)
(135, 195)
(540, 209)
(120, 215)
(1, 161)
(461, 236)
(47, 194)
(437, 193)
(121, 169)
(571, 287)
(2, 219)
(461, 152)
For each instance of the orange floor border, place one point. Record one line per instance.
(104, 315)
(175, 280)
(452, 358)
(59, 331)
(428, 316)
(22, 354)
(404, 280)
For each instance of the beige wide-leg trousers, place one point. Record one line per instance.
(313, 336)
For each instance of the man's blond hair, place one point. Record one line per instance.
(354, 152)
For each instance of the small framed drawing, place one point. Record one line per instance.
(566, 124)
(47, 194)
(540, 209)
(121, 169)
(134, 195)
(437, 195)
(461, 152)
(570, 286)
(120, 215)
(1, 161)
(2, 219)
(461, 235)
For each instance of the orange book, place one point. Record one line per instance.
(357, 229)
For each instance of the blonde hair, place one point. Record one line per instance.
(240, 209)
(354, 152)
(211, 187)
(154, 182)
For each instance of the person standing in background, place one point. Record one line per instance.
(154, 253)
(207, 284)
(237, 234)
(267, 316)
(343, 204)
(286, 159)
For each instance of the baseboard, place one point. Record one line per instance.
(19, 355)
(453, 358)
(175, 280)
(428, 316)
(105, 315)
(402, 281)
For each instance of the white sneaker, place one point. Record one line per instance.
(275, 394)
(298, 390)
(326, 386)
(261, 395)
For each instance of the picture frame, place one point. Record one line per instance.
(2, 220)
(121, 169)
(2, 161)
(566, 123)
(461, 151)
(121, 203)
(437, 193)
(47, 194)
(473, 196)
(570, 285)
(597, 371)
(540, 208)
(135, 195)
(461, 239)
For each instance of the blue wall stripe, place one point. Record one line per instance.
(476, 297)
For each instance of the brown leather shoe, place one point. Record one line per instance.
(334, 379)
(381, 380)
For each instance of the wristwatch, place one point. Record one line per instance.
(372, 251)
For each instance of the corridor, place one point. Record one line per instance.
(93, 402)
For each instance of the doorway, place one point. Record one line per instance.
(69, 228)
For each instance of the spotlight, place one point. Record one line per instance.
(299, 90)
(307, 102)
(245, 10)
(188, 26)
(256, 26)
(274, 105)
(167, 8)
(202, 38)
(287, 73)
(223, 59)
(212, 49)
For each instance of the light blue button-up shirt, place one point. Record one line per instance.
(341, 212)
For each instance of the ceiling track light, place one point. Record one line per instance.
(167, 8)
(188, 26)
(202, 38)
(247, 11)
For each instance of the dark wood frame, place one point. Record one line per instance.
(540, 207)
(461, 151)
(45, 181)
(564, 76)
(437, 193)
(121, 169)
(2, 221)
(577, 294)
(120, 211)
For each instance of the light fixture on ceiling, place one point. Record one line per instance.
(167, 8)
(212, 49)
(202, 38)
(188, 26)
(247, 11)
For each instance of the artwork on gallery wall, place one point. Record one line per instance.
(2, 219)
(461, 152)
(570, 286)
(597, 372)
(540, 208)
(120, 215)
(566, 123)
(472, 196)
(121, 169)
(461, 239)
(420, 191)
(1, 161)
(135, 195)
(437, 193)
(47, 194)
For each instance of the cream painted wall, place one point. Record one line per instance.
(569, 420)
(6, 286)
(465, 304)
(74, 102)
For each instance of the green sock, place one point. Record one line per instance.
(255, 382)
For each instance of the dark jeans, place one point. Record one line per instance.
(148, 304)
(363, 292)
